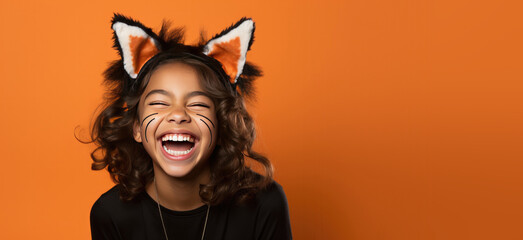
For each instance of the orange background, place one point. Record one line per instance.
(384, 119)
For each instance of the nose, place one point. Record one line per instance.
(178, 115)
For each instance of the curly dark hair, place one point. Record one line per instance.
(129, 164)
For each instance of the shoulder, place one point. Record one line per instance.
(103, 204)
(112, 218)
(102, 216)
(268, 197)
(111, 197)
(109, 204)
(272, 215)
(109, 214)
(272, 198)
(265, 216)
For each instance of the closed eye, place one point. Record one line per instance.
(157, 103)
(199, 105)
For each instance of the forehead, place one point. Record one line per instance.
(175, 77)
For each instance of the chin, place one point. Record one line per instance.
(177, 173)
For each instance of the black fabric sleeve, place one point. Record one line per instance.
(102, 224)
(273, 220)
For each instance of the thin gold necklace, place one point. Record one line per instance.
(161, 217)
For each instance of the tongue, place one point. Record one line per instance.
(178, 146)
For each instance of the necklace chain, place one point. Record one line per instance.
(161, 217)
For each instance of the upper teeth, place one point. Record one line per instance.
(178, 138)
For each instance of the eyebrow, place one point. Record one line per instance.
(157, 91)
(163, 92)
(197, 93)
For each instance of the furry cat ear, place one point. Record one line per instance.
(230, 47)
(135, 43)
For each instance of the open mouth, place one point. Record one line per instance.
(178, 144)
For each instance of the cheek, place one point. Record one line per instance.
(208, 126)
(149, 124)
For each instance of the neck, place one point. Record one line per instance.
(179, 194)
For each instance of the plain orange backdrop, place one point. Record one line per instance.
(383, 119)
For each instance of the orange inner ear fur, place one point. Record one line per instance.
(228, 54)
(142, 49)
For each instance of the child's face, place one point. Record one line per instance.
(177, 121)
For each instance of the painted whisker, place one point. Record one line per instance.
(146, 129)
(147, 117)
(210, 143)
(207, 119)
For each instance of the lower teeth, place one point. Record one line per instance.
(176, 153)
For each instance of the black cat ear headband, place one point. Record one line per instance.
(138, 44)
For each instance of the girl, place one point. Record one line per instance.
(174, 135)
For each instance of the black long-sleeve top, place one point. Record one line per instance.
(265, 218)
